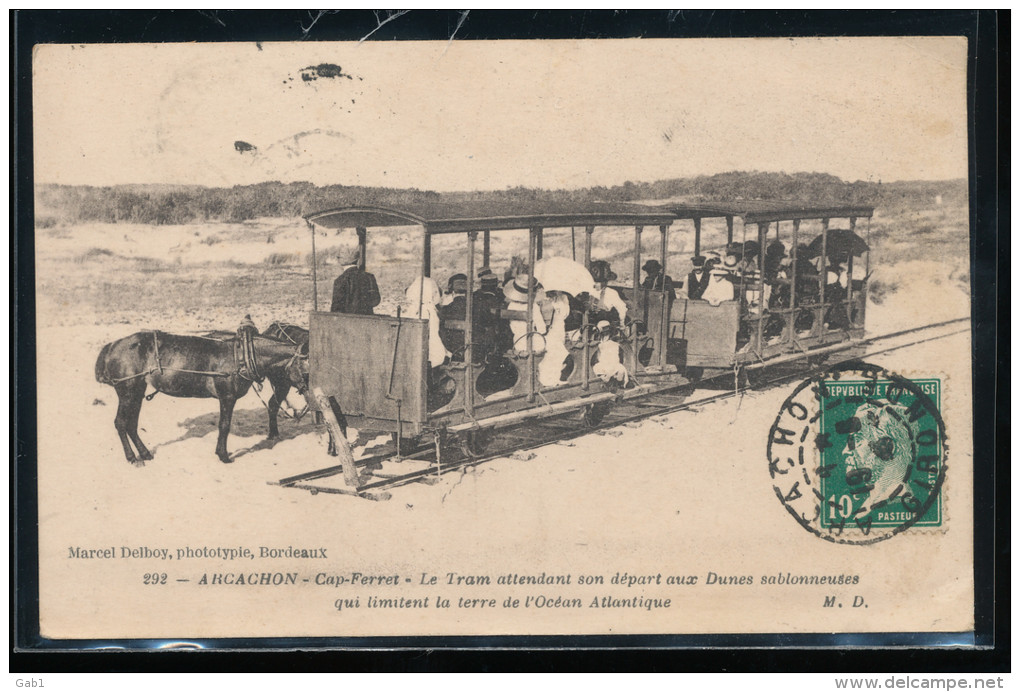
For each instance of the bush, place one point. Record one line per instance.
(280, 258)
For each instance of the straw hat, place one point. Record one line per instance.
(516, 291)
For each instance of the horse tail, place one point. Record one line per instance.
(101, 375)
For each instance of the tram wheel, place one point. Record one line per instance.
(475, 443)
(592, 414)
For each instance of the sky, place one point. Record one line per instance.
(468, 115)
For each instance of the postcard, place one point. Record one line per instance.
(348, 340)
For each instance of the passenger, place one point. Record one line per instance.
(421, 300)
(453, 308)
(492, 332)
(697, 280)
(551, 371)
(488, 294)
(355, 291)
(456, 285)
(657, 278)
(608, 360)
(518, 266)
(774, 254)
(748, 257)
(720, 281)
(835, 298)
(516, 292)
(607, 300)
(807, 288)
(780, 298)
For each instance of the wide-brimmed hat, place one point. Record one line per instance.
(516, 290)
(652, 266)
(730, 260)
(601, 272)
(713, 256)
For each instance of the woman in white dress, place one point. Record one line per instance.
(421, 300)
(556, 307)
(516, 293)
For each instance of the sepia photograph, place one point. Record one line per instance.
(353, 341)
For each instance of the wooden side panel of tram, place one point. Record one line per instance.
(351, 358)
(709, 331)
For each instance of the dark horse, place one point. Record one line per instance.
(282, 381)
(189, 366)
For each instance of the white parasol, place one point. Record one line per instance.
(564, 274)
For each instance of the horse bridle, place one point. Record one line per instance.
(302, 387)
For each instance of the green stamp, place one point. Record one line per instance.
(857, 454)
(885, 454)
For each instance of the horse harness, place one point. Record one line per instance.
(244, 357)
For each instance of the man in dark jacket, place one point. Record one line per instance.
(355, 291)
(697, 280)
(657, 278)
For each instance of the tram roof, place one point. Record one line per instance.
(450, 217)
(761, 211)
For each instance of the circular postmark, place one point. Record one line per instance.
(857, 453)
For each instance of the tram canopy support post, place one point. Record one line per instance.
(426, 255)
(697, 233)
(469, 374)
(792, 317)
(538, 245)
(315, 275)
(763, 235)
(530, 324)
(867, 269)
(588, 231)
(823, 277)
(362, 246)
(850, 278)
(729, 230)
(634, 302)
(666, 306)
(486, 254)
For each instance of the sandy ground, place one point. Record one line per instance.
(683, 494)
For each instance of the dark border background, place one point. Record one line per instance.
(988, 86)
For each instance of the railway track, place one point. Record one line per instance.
(432, 461)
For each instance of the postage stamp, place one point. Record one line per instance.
(857, 454)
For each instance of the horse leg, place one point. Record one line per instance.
(280, 391)
(129, 403)
(226, 414)
(143, 451)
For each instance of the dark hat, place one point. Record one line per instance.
(486, 276)
(698, 260)
(651, 266)
(457, 283)
(601, 272)
(735, 248)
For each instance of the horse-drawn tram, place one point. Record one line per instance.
(556, 342)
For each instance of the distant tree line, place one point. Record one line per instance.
(179, 204)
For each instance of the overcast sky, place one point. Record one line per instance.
(485, 115)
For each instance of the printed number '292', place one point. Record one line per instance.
(154, 578)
